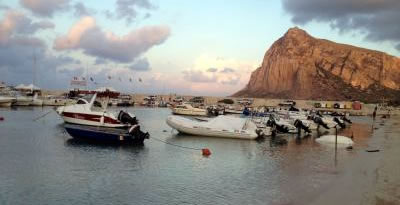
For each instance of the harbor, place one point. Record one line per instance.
(287, 102)
(257, 171)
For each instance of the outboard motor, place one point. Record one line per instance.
(292, 108)
(280, 128)
(344, 118)
(300, 125)
(126, 118)
(135, 131)
(339, 122)
(319, 121)
(246, 111)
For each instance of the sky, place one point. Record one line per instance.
(207, 47)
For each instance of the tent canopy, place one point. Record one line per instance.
(27, 87)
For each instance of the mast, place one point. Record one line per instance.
(34, 69)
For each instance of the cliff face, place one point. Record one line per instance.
(299, 66)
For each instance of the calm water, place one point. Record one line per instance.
(39, 164)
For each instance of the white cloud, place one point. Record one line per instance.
(89, 37)
(45, 8)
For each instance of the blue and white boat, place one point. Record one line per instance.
(105, 134)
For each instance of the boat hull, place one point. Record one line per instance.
(189, 112)
(5, 104)
(22, 103)
(101, 134)
(203, 131)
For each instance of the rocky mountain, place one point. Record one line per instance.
(299, 66)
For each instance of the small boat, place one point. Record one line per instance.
(103, 134)
(330, 139)
(6, 101)
(187, 109)
(92, 113)
(221, 126)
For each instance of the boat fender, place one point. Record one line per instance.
(206, 152)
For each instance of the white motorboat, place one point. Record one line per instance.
(36, 101)
(6, 101)
(221, 126)
(187, 109)
(92, 113)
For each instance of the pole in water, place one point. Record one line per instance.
(335, 138)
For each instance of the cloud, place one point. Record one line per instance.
(227, 70)
(45, 8)
(89, 37)
(128, 9)
(377, 19)
(4, 7)
(141, 65)
(212, 70)
(198, 77)
(82, 10)
(19, 47)
(100, 61)
(15, 22)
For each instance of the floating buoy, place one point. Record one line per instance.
(1, 118)
(206, 152)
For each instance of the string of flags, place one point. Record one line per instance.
(82, 81)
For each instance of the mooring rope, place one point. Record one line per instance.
(42, 116)
(184, 147)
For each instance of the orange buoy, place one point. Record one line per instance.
(206, 152)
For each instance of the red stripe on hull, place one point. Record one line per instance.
(90, 117)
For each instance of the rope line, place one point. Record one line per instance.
(42, 116)
(184, 147)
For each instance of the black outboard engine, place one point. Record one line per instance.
(319, 121)
(126, 118)
(340, 123)
(344, 118)
(280, 128)
(137, 133)
(299, 125)
(292, 108)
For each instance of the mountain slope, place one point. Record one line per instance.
(299, 66)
